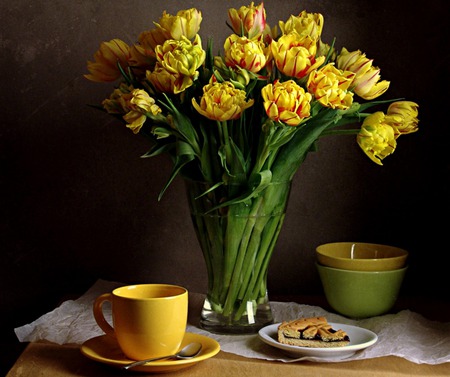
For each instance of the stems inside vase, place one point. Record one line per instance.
(237, 243)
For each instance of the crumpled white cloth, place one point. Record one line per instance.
(405, 334)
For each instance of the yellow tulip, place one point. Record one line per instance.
(182, 56)
(295, 55)
(286, 102)
(115, 104)
(149, 39)
(245, 53)
(168, 82)
(369, 86)
(323, 49)
(135, 120)
(248, 21)
(330, 85)
(140, 103)
(304, 24)
(222, 101)
(376, 138)
(367, 82)
(142, 57)
(133, 103)
(104, 68)
(402, 115)
(186, 23)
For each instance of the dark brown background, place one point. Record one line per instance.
(78, 203)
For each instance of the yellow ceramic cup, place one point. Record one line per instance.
(149, 320)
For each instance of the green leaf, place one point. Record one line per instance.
(184, 148)
(218, 184)
(257, 183)
(291, 155)
(238, 156)
(183, 123)
(179, 162)
(367, 105)
(158, 149)
(223, 159)
(162, 132)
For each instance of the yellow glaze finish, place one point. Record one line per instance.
(149, 320)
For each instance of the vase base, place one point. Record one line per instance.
(217, 323)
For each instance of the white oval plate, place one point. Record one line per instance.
(360, 338)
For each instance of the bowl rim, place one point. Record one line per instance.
(403, 253)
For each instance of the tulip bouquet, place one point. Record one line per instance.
(241, 122)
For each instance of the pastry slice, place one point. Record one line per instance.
(313, 332)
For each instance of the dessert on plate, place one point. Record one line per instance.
(313, 332)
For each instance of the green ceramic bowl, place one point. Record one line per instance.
(361, 294)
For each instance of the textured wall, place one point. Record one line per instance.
(77, 202)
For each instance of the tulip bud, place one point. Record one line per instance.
(367, 82)
(248, 21)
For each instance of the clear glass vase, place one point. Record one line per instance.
(237, 242)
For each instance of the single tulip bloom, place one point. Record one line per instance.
(330, 85)
(142, 57)
(402, 115)
(186, 23)
(165, 81)
(109, 55)
(115, 103)
(376, 138)
(286, 102)
(248, 21)
(295, 55)
(149, 39)
(222, 101)
(304, 24)
(245, 53)
(135, 120)
(367, 84)
(323, 49)
(140, 103)
(183, 56)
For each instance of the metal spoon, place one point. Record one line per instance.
(189, 351)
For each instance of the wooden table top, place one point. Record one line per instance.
(51, 360)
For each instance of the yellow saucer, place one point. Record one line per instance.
(105, 349)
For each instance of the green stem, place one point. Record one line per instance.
(257, 286)
(235, 227)
(238, 264)
(254, 249)
(264, 236)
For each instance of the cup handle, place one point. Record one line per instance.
(99, 316)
